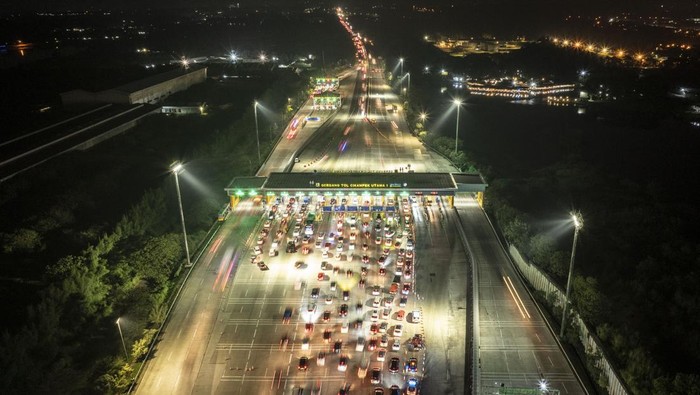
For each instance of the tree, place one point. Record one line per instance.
(22, 240)
(158, 258)
(587, 298)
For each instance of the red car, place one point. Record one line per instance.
(321, 277)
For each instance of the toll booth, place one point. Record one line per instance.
(375, 194)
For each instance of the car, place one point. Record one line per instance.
(365, 259)
(318, 244)
(395, 390)
(337, 346)
(390, 233)
(315, 292)
(396, 345)
(374, 316)
(383, 327)
(333, 286)
(339, 248)
(415, 316)
(365, 247)
(388, 301)
(321, 276)
(374, 328)
(305, 343)
(409, 254)
(382, 271)
(357, 324)
(407, 274)
(305, 250)
(358, 308)
(388, 242)
(303, 363)
(378, 391)
(376, 290)
(321, 236)
(351, 247)
(386, 313)
(361, 283)
(326, 255)
(364, 270)
(394, 364)
(327, 336)
(326, 266)
(406, 288)
(283, 342)
(361, 372)
(263, 266)
(398, 330)
(344, 327)
(346, 295)
(376, 302)
(381, 355)
(326, 316)
(321, 359)
(287, 315)
(384, 341)
(403, 301)
(412, 386)
(372, 344)
(378, 240)
(272, 252)
(343, 310)
(400, 314)
(343, 364)
(360, 346)
(261, 240)
(329, 299)
(376, 376)
(381, 260)
(311, 308)
(348, 273)
(257, 250)
(309, 327)
(412, 365)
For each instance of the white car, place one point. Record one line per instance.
(398, 330)
(396, 346)
(344, 328)
(325, 255)
(381, 355)
(321, 236)
(305, 343)
(375, 316)
(376, 290)
(376, 301)
(351, 247)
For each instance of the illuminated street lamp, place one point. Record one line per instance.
(578, 224)
(176, 170)
(257, 133)
(409, 80)
(401, 63)
(458, 103)
(423, 116)
(122, 336)
(233, 57)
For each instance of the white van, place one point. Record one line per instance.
(416, 316)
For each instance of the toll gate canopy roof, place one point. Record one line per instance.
(359, 182)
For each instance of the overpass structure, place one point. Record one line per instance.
(357, 191)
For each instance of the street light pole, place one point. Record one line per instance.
(578, 224)
(458, 103)
(401, 62)
(257, 133)
(122, 336)
(176, 170)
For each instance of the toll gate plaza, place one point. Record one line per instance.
(357, 192)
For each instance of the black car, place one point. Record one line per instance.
(337, 346)
(376, 376)
(394, 365)
(303, 363)
(314, 293)
(343, 310)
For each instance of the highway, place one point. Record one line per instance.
(516, 349)
(229, 334)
